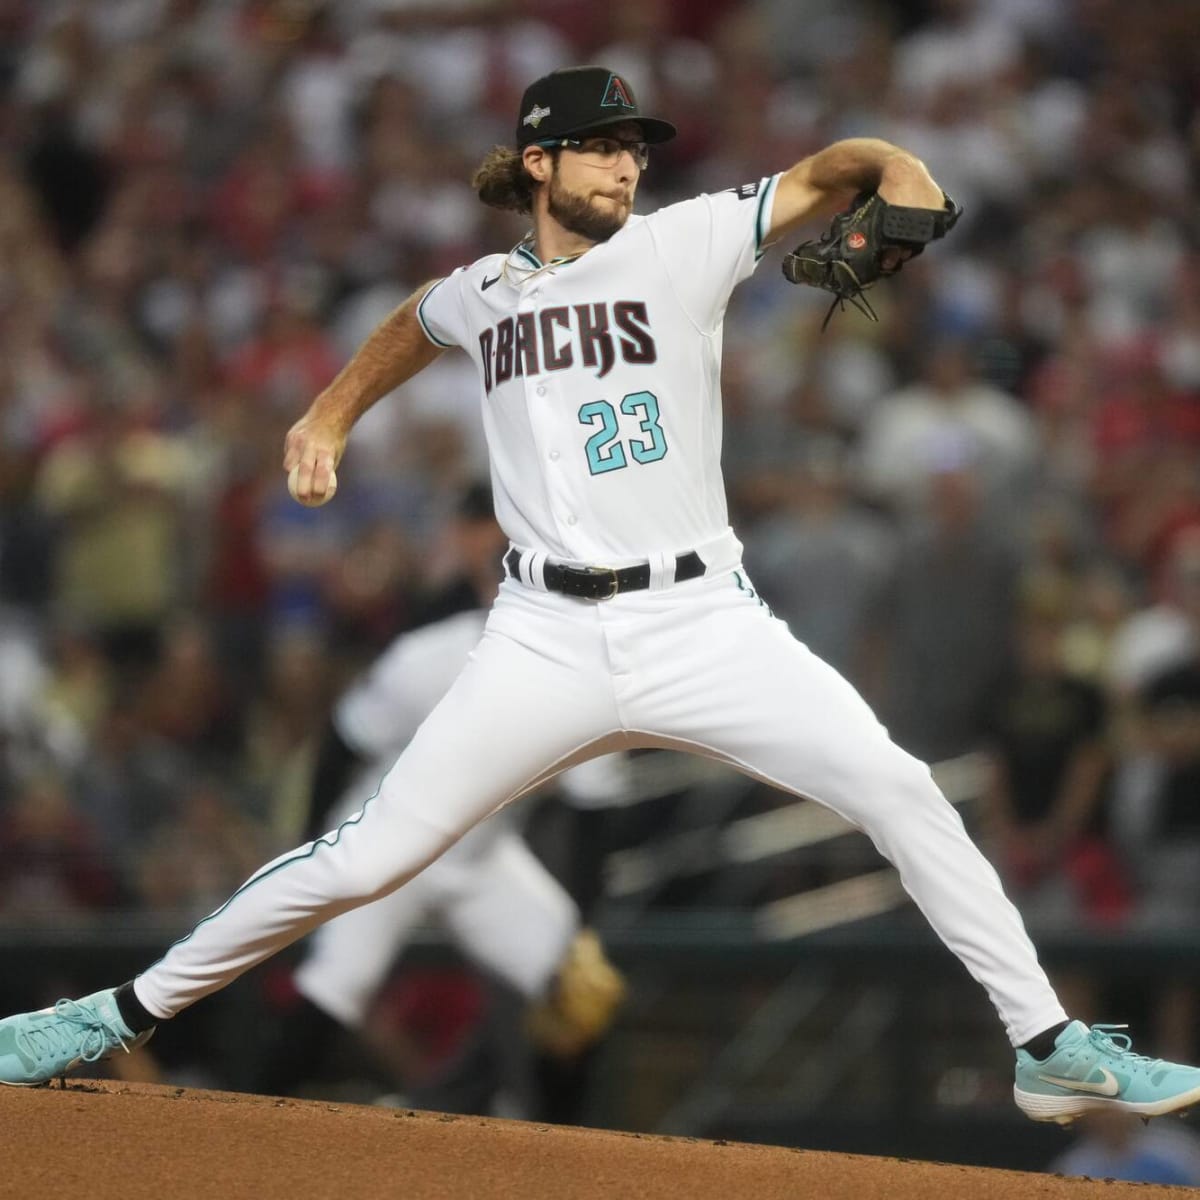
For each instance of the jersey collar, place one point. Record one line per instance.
(524, 262)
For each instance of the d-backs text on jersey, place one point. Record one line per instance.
(561, 337)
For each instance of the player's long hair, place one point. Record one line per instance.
(502, 181)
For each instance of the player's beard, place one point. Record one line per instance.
(578, 215)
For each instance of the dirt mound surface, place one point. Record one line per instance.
(134, 1141)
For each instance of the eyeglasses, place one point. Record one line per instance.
(604, 151)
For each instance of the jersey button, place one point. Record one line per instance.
(572, 519)
(541, 391)
(554, 456)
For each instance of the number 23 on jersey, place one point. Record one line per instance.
(606, 450)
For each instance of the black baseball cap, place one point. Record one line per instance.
(578, 100)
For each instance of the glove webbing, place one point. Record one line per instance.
(855, 296)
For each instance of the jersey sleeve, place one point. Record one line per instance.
(710, 243)
(442, 314)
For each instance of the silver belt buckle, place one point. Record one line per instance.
(615, 584)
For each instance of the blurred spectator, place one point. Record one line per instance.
(38, 721)
(1047, 732)
(820, 559)
(467, 571)
(290, 359)
(186, 698)
(963, 42)
(1163, 634)
(115, 491)
(373, 590)
(1103, 600)
(671, 70)
(204, 852)
(70, 178)
(317, 90)
(79, 685)
(235, 583)
(50, 856)
(283, 723)
(944, 622)
(1116, 1145)
(25, 537)
(1167, 733)
(22, 678)
(949, 408)
(130, 781)
(1156, 803)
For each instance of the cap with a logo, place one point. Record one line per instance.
(578, 100)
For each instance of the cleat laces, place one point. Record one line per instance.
(53, 1038)
(1108, 1040)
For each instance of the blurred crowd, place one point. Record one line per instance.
(984, 509)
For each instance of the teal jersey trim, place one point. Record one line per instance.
(760, 232)
(323, 840)
(533, 260)
(437, 341)
(751, 594)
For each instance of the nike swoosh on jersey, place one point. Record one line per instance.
(1110, 1086)
(487, 283)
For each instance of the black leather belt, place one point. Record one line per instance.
(603, 583)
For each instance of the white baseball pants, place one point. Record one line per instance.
(699, 666)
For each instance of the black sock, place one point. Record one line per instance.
(132, 1011)
(1042, 1046)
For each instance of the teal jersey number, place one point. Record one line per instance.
(605, 451)
(645, 404)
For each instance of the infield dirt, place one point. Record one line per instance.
(139, 1141)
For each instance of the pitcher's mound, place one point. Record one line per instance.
(122, 1141)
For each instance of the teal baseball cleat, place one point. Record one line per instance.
(1096, 1068)
(39, 1046)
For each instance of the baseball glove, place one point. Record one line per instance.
(852, 254)
(580, 1003)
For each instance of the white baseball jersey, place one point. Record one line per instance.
(600, 378)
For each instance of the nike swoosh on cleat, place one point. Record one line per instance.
(1110, 1086)
(487, 283)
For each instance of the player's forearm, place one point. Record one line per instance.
(827, 181)
(393, 353)
(868, 164)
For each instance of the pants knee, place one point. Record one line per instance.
(371, 863)
(907, 799)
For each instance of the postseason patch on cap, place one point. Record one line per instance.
(535, 116)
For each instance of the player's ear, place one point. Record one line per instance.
(538, 162)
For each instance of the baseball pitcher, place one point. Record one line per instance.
(626, 618)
